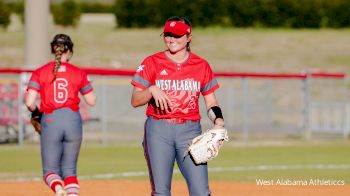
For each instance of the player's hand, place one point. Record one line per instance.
(219, 124)
(162, 100)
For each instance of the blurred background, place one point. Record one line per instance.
(282, 66)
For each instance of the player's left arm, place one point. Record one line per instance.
(36, 114)
(214, 110)
(87, 90)
(90, 98)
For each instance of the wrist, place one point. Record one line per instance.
(150, 89)
(36, 112)
(215, 115)
(219, 122)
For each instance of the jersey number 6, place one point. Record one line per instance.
(60, 91)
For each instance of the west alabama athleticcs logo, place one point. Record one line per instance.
(140, 68)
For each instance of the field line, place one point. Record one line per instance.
(213, 170)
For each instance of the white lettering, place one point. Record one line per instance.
(262, 182)
(186, 85)
(60, 90)
(288, 182)
(158, 83)
(166, 85)
(174, 85)
(178, 85)
(182, 86)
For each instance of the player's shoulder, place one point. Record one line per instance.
(72, 67)
(196, 59)
(154, 59)
(44, 68)
(156, 56)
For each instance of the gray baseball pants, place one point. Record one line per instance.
(163, 144)
(60, 140)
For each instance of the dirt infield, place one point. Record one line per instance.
(139, 188)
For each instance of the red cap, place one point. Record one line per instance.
(176, 28)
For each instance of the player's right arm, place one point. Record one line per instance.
(141, 97)
(144, 90)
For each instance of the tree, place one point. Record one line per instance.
(66, 13)
(4, 14)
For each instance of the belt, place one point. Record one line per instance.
(174, 120)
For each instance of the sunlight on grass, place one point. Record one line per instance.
(226, 49)
(24, 162)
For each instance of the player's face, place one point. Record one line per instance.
(176, 43)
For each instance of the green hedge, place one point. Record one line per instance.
(5, 12)
(17, 7)
(67, 13)
(339, 15)
(238, 13)
(95, 7)
(202, 13)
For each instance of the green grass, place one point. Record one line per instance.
(97, 159)
(226, 49)
(304, 154)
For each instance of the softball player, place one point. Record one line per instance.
(58, 84)
(170, 82)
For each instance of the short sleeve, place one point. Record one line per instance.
(210, 84)
(143, 77)
(34, 82)
(86, 86)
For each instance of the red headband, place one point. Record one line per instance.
(177, 28)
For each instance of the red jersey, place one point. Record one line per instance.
(182, 83)
(63, 91)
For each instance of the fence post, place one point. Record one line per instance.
(269, 103)
(306, 107)
(346, 120)
(104, 111)
(21, 79)
(230, 110)
(346, 128)
(245, 109)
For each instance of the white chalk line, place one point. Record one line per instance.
(212, 170)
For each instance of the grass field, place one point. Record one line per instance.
(236, 162)
(226, 49)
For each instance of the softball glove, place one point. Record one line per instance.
(35, 120)
(206, 146)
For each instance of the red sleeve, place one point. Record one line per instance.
(86, 86)
(34, 83)
(210, 84)
(144, 76)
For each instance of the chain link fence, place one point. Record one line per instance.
(255, 106)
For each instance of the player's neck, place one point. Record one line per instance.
(178, 57)
(66, 57)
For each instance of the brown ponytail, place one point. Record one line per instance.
(60, 44)
(59, 49)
